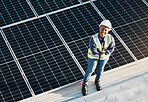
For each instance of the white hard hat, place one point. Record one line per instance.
(106, 23)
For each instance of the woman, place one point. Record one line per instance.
(101, 46)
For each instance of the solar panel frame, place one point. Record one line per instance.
(146, 2)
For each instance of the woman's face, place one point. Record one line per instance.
(103, 31)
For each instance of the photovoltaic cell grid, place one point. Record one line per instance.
(46, 6)
(129, 18)
(14, 11)
(77, 25)
(136, 37)
(44, 59)
(122, 12)
(5, 55)
(12, 85)
(84, 0)
(119, 57)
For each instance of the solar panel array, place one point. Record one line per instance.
(47, 6)
(39, 52)
(76, 26)
(130, 22)
(12, 84)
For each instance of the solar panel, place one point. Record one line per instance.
(14, 11)
(122, 12)
(137, 39)
(5, 55)
(46, 6)
(44, 59)
(126, 17)
(12, 85)
(51, 48)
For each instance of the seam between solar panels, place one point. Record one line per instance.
(128, 25)
(137, 25)
(46, 50)
(2, 96)
(74, 29)
(6, 62)
(80, 1)
(131, 22)
(65, 44)
(145, 2)
(32, 8)
(17, 63)
(40, 16)
(115, 33)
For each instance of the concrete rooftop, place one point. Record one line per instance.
(128, 83)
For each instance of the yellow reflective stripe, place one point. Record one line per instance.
(99, 46)
(110, 38)
(107, 41)
(91, 56)
(105, 44)
(97, 42)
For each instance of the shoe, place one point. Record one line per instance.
(84, 89)
(98, 86)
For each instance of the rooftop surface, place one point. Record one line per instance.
(128, 83)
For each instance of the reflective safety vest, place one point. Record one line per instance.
(107, 40)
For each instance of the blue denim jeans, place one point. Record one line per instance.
(92, 65)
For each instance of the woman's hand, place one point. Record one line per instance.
(101, 51)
